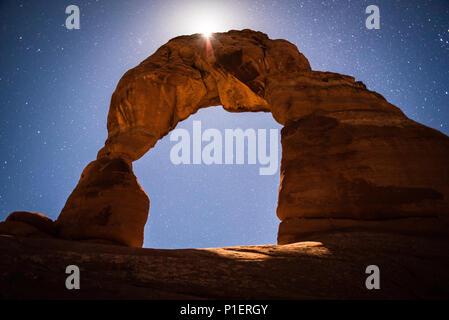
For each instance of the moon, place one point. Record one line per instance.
(205, 18)
(206, 22)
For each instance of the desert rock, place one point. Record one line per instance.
(107, 204)
(332, 267)
(347, 153)
(28, 224)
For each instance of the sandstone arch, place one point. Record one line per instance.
(350, 159)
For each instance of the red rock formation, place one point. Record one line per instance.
(107, 204)
(180, 78)
(346, 170)
(350, 159)
(28, 224)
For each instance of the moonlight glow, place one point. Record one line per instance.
(206, 25)
(205, 18)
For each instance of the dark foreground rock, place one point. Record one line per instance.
(410, 268)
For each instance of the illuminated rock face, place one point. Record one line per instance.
(189, 73)
(107, 204)
(362, 170)
(349, 159)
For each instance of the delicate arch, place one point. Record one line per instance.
(350, 159)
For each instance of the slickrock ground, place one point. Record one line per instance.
(410, 267)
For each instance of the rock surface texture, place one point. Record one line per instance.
(350, 159)
(331, 268)
(107, 204)
(28, 224)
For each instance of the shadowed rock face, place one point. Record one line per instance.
(333, 268)
(28, 224)
(350, 159)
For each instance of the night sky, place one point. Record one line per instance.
(56, 84)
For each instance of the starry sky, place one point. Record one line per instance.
(56, 84)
